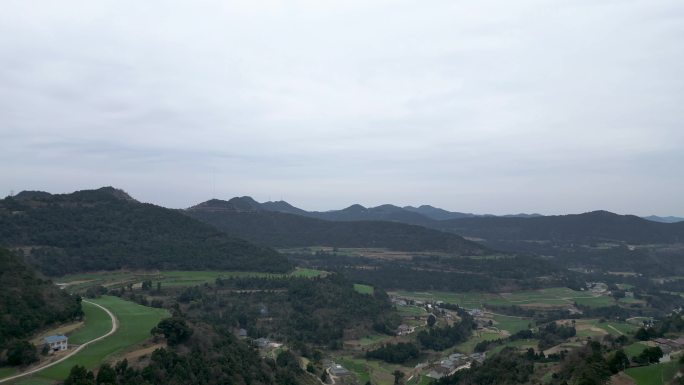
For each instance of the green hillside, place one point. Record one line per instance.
(28, 302)
(105, 229)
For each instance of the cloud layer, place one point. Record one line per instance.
(489, 106)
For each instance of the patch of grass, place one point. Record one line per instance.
(363, 289)
(595, 301)
(36, 381)
(97, 323)
(557, 296)
(469, 346)
(520, 344)
(407, 311)
(373, 339)
(357, 366)
(420, 380)
(634, 349)
(7, 371)
(135, 323)
(657, 374)
(511, 324)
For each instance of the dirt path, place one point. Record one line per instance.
(612, 327)
(115, 327)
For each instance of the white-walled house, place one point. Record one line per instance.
(56, 343)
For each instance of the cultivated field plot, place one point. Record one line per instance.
(168, 278)
(552, 297)
(657, 374)
(135, 323)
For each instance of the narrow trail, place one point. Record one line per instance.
(115, 327)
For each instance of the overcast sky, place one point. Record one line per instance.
(478, 106)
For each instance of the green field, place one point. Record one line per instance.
(558, 296)
(358, 367)
(169, 278)
(363, 289)
(411, 311)
(7, 371)
(657, 374)
(97, 323)
(511, 324)
(469, 346)
(135, 323)
(634, 349)
(373, 339)
(520, 344)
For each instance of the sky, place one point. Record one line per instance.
(489, 106)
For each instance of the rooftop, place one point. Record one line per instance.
(53, 339)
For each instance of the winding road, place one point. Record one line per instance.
(115, 327)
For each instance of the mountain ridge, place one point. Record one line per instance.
(279, 229)
(105, 229)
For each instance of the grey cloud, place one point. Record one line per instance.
(491, 106)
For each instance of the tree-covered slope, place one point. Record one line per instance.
(106, 229)
(288, 230)
(27, 302)
(594, 226)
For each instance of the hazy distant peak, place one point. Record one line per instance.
(388, 207)
(282, 206)
(667, 219)
(355, 208)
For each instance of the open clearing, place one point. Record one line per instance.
(135, 323)
(169, 278)
(363, 289)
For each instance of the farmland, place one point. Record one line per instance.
(658, 374)
(174, 278)
(550, 297)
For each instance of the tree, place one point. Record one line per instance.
(106, 375)
(398, 377)
(80, 376)
(618, 361)
(174, 329)
(21, 353)
(431, 320)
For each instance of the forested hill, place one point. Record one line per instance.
(106, 229)
(595, 226)
(27, 302)
(288, 230)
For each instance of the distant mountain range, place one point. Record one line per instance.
(596, 226)
(245, 218)
(669, 219)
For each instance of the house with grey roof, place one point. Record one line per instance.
(56, 343)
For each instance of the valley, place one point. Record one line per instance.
(232, 292)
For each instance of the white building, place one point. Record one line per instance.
(56, 343)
